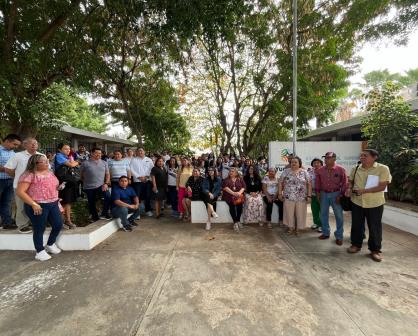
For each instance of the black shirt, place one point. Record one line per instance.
(253, 184)
(160, 175)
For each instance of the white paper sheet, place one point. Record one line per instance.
(372, 181)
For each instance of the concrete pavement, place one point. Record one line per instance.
(173, 278)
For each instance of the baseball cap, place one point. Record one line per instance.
(330, 154)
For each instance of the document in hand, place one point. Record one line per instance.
(373, 181)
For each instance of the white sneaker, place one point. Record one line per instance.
(42, 256)
(54, 249)
(214, 215)
(149, 214)
(236, 227)
(314, 227)
(208, 226)
(240, 225)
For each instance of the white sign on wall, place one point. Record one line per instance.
(348, 152)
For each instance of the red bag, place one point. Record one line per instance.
(239, 200)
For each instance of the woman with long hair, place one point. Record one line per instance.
(68, 193)
(159, 184)
(211, 190)
(38, 188)
(234, 187)
(193, 191)
(254, 206)
(172, 170)
(183, 175)
(296, 190)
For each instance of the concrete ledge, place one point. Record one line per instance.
(404, 220)
(200, 215)
(83, 238)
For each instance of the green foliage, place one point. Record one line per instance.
(404, 184)
(397, 20)
(377, 78)
(389, 125)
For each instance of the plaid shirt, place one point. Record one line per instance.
(5, 155)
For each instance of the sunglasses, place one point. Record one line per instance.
(37, 162)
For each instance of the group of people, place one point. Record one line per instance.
(128, 181)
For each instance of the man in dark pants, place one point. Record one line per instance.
(140, 169)
(367, 195)
(95, 175)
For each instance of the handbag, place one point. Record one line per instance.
(345, 201)
(67, 174)
(239, 200)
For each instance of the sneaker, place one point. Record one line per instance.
(149, 213)
(65, 226)
(260, 224)
(314, 227)
(319, 230)
(127, 228)
(42, 256)
(107, 216)
(269, 225)
(26, 229)
(71, 225)
(132, 223)
(214, 215)
(240, 225)
(54, 249)
(236, 227)
(208, 226)
(180, 216)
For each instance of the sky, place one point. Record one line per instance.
(385, 55)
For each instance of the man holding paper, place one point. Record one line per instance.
(367, 196)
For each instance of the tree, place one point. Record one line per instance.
(389, 125)
(247, 65)
(397, 20)
(378, 78)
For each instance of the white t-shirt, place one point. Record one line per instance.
(272, 186)
(19, 162)
(140, 167)
(172, 177)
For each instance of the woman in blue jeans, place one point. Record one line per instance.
(38, 188)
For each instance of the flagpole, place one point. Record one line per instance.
(295, 69)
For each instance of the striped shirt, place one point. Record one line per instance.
(5, 155)
(118, 168)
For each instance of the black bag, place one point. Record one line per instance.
(67, 174)
(346, 201)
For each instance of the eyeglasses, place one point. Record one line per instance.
(37, 162)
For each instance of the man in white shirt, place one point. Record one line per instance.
(140, 169)
(15, 167)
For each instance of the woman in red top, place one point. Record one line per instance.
(38, 188)
(234, 187)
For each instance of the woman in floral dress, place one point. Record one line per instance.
(296, 190)
(254, 207)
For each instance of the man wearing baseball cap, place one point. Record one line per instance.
(330, 185)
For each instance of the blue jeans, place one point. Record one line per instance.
(50, 213)
(143, 191)
(327, 200)
(91, 199)
(6, 196)
(122, 213)
(173, 199)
